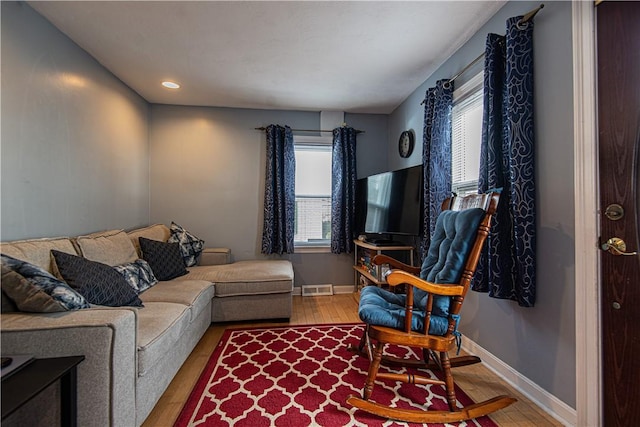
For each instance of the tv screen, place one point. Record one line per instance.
(391, 202)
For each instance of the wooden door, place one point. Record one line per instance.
(618, 52)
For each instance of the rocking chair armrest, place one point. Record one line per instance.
(398, 277)
(395, 264)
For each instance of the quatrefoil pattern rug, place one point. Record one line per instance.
(298, 376)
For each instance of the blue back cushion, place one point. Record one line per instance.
(450, 245)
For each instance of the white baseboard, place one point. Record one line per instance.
(337, 289)
(545, 400)
(342, 289)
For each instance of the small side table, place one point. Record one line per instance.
(26, 383)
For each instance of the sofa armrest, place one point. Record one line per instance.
(215, 256)
(107, 339)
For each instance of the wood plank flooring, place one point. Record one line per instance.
(476, 380)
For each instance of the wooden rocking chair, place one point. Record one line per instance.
(426, 317)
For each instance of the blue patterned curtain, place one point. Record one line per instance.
(279, 192)
(343, 189)
(507, 268)
(436, 155)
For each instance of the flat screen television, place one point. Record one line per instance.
(389, 204)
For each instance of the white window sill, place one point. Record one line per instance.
(312, 249)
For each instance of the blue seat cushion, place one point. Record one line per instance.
(450, 245)
(380, 307)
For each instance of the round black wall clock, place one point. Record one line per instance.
(405, 143)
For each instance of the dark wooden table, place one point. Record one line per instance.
(27, 382)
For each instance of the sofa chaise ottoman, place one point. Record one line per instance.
(245, 290)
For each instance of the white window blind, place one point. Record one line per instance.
(466, 136)
(313, 191)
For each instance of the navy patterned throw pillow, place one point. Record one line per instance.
(138, 275)
(190, 245)
(165, 259)
(42, 282)
(99, 283)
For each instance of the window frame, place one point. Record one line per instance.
(466, 91)
(323, 246)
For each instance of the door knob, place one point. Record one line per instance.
(616, 246)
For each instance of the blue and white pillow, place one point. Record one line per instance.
(138, 274)
(41, 279)
(190, 246)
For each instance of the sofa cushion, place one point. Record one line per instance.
(108, 247)
(159, 232)
(196, 294)
(138, 275)
(160, 325)
(99, 283)
(190, 245)
(246, 277)
(164, 258)
(38, 251)
(27, 295)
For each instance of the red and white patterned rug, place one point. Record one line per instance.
(298, 376)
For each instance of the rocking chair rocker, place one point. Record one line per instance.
(426, 317)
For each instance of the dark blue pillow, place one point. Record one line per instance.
(451, 243)
(164, 258)
(99, 283)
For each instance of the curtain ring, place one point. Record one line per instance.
(447, 84)
(522, 25)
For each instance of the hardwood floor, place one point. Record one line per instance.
(476, 380)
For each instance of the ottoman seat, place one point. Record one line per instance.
(246, 277)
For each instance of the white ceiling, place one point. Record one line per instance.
(353, 56)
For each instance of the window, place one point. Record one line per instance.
(313, 191)
(466, 136)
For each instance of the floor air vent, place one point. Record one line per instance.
(316, 290)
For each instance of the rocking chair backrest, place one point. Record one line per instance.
(489, 203)
(453, 255)
(483, 201)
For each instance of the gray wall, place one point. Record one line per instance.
(372, 144)
(74, 138)
(538, 342)
(207, 174)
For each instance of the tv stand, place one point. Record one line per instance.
(364, 252)
(384, 242)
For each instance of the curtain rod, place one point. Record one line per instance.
(529, 15)
(308, 130)
(525, 18)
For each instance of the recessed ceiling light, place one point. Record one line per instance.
(170, 85)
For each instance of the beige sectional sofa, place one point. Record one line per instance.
(132, 354)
